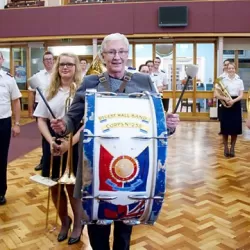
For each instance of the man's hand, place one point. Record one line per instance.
(54, 147)
(31, 111)
(248, 122)
(58, 125)
(15, 130)
(172, 121)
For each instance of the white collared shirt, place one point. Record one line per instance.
(225, 74)
(44, 78)
(57, 105)
(233, 86)
(159, 78)
(9, 91)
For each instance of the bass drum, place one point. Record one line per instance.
(125, 151)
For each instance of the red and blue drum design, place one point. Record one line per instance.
(125, 152)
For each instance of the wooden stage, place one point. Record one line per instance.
(207, 203)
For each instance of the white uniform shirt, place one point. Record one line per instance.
(233, 86)
(9, 91)
(57, 105)
(44, 79)
(224, 74)
(159, 78)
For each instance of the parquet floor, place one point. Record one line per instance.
(207, 203)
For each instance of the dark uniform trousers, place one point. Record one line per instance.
(41, 160)
(5, 134)
(99, 236)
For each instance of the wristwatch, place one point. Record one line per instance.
(17, 123)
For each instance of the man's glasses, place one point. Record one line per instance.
(112, 53)
(68, 65)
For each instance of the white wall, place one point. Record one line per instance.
(3, 3)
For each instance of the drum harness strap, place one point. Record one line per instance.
(104, 80)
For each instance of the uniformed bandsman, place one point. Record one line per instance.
(9, 96)
(44, 80)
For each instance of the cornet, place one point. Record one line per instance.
(221, 89)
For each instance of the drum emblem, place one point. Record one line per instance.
(124, 168)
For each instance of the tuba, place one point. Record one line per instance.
(96, 67)
(222, 90)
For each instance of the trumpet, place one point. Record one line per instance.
(222, 91)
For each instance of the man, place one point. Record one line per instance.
(84, 65)
(114, 53)
(9, 96)
(44, 79)
(159, 75)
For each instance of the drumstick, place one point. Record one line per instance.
(191, 71)
(182, 93)
(34, 83)
(45, 102)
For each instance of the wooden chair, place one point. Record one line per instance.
(187, 104)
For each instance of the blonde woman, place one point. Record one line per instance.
(66, 77)
(231, 118)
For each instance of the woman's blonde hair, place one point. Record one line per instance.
(55, 81)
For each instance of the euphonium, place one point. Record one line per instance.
(222, 91)
(96, 67)
(248, 102)
(68, 177)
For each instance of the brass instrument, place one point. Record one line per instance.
(96, 67)
(222, 91)
(248, 102)
(68, 177)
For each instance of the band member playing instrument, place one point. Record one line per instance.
(114, 52)
(231, 118)
(65, 79)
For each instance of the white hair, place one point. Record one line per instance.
(113, 37)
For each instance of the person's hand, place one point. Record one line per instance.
(58, 125)
(172, 121)
(230, 103)
(248, 122)
(31, 111)
(15, 130)
(64, 146)
(54, 147)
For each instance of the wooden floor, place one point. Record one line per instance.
(207, 203)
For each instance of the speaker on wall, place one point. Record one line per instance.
(173, 16)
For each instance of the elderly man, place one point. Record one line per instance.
(114, 53)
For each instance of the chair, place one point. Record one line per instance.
(187, 104)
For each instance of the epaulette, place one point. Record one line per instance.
(132, 68)
(7, 73)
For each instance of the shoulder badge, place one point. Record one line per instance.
(131, 68)
(7, 73)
